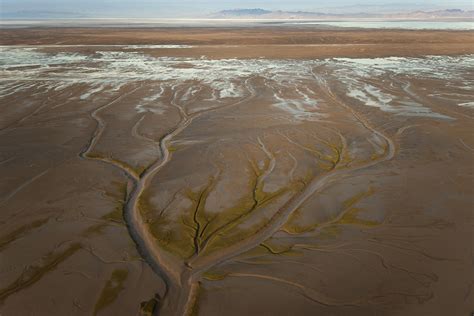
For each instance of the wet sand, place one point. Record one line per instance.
(251, 171)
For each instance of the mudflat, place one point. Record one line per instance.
(236, 171)
(287, 42)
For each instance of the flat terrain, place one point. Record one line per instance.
(264, 41)
(236, 171)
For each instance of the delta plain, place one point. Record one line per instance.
(236, 170)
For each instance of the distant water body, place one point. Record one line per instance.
(134, 23)
(413, 25)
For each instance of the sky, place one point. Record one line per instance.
(181, 8)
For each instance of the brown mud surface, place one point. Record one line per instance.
(244, 175)
(268, 42)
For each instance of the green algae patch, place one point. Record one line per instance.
(329, 232)
(276, 249)
(120, 195)
(292, 228)
(144, 206)
(34, 273)
(172, 148)
(20, 232)
(224, 235)
(214, 276)
(350, 202)
(173, 236)
(115, 216)
(119, 192)
(148, 308)
(267, 198)
(178, 241)
(94, 229)
(222, 223)
(140, 170)
(111, 290)
(195, 306)
(350, 216)
(109, 159)
(94, 156)
(227, 240)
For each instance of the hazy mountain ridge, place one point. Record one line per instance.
(245, 12)
(381, 11)
(266, 14)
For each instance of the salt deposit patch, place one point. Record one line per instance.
(110, 70)
(467, 104)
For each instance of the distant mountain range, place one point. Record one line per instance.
(342, 13)
(266, 14)
(244, 12)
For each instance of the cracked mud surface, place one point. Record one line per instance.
(149, 179)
